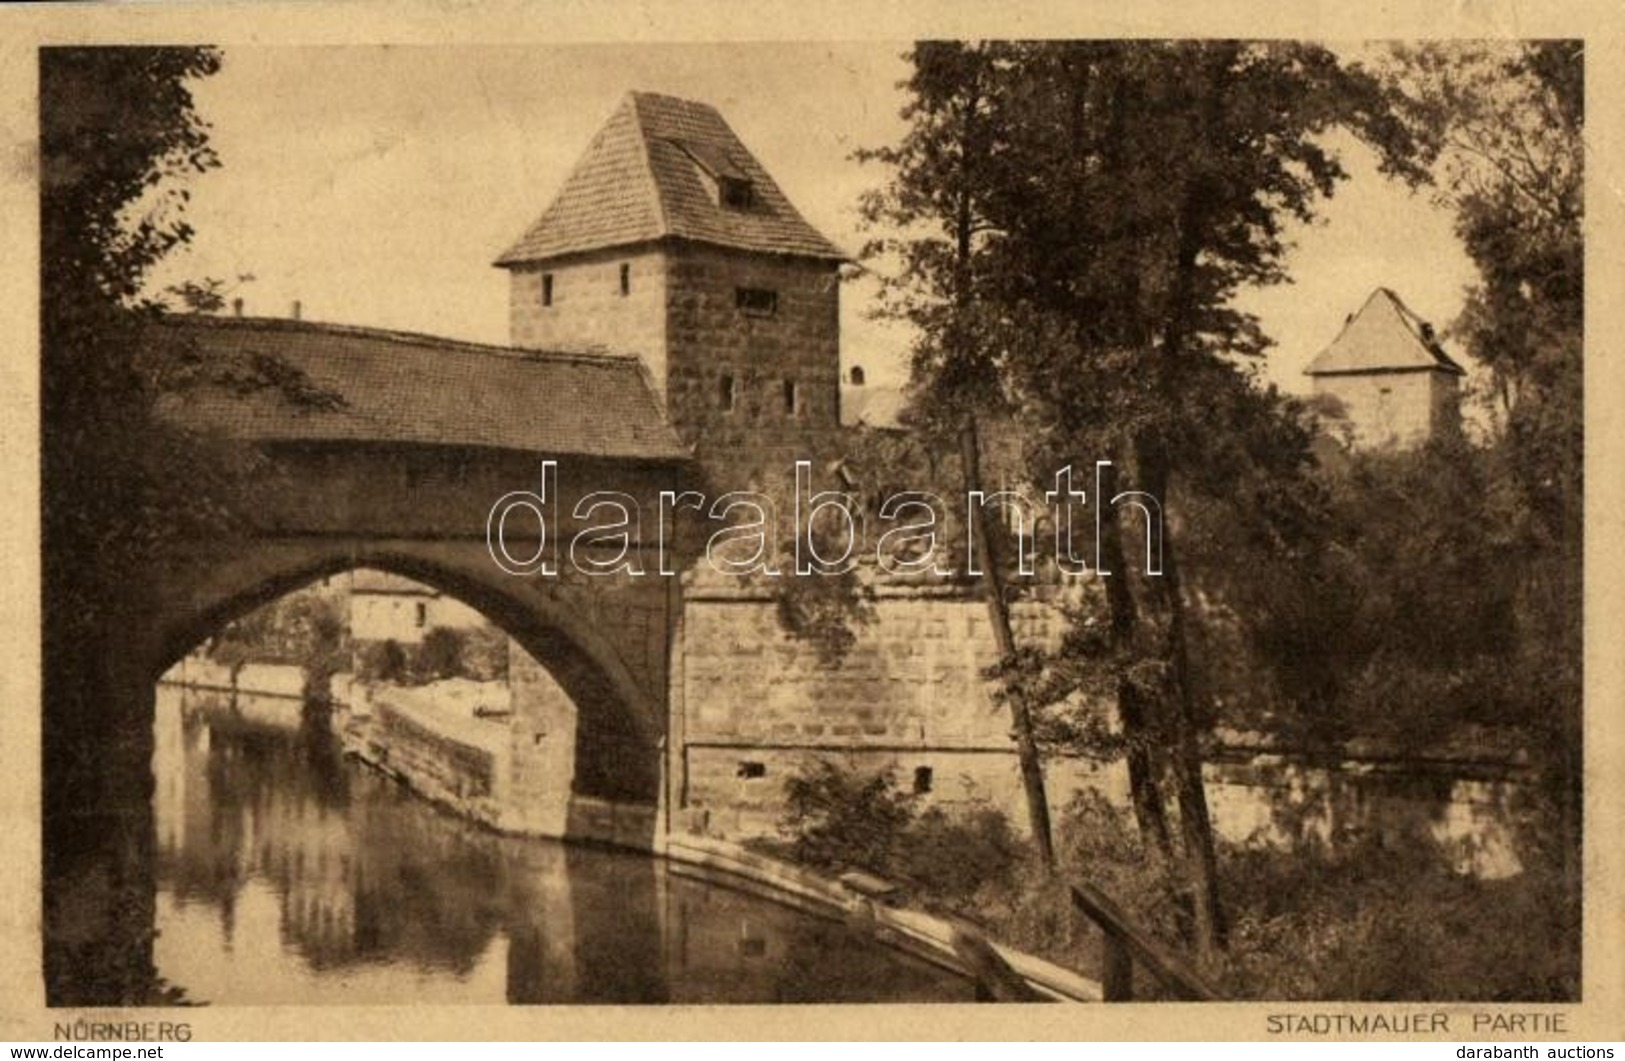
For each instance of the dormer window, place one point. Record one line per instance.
(730, 186)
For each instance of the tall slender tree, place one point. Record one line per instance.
(946, 154)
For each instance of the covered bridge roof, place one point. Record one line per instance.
(405, 388)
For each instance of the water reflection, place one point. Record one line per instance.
(289, 875)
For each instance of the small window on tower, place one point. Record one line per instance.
(626, 278)
(728, 393)
(547, 289)
(792, 398)
(757, 301)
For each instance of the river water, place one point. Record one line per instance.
(288, 874)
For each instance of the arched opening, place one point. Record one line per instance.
(329, 766)
(618, 722)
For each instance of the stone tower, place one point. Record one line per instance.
(670, 241)
(1389, 379)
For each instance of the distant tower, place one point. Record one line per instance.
(670, 241)
(1390, 378)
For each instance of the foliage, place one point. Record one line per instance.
(952, 857)
(440, 655)
(1434, 598)
(840, 819)
(823, 610)
(381, 661)
(1066, 224)
(1365, 920)
(117, 129)
(117, 135)
(306, 627)
(484, 655)
(1507, 124)
(1368, 922)
(119, 140)
(478, 654)
(837, 817)
(1382, 923)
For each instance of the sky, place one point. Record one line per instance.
(375, 185)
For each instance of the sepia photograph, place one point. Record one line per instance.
(937, 519)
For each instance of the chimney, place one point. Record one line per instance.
(296, 309)
(237, 307)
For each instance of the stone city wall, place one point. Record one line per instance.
(756, 706)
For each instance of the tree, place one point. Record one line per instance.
(941, 165)
(117, 128)
(1504, 125)
(441, 654)
(119, 139)
(1068, 223)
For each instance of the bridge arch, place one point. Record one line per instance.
(620, 718)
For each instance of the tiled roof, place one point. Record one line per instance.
(1385, 336)
(399, 387)
(649, 174)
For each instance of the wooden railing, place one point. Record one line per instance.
(1127, 945)
(995, 980)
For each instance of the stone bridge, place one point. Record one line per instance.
(392, 460)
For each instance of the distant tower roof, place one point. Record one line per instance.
(668, 168)
(1384, 336)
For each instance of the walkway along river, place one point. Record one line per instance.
(288, 874)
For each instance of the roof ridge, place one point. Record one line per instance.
(405, 338)
(644, 93)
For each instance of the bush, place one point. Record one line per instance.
(1380, 923)
(839, 819)
(953, 858)
(380, 661)
(441, 654)
(1361, 921)
(485, 654)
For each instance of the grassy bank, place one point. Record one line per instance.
(1364, 922)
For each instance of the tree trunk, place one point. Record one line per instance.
(1144, 791)
(1196, 825)
(998, 611)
